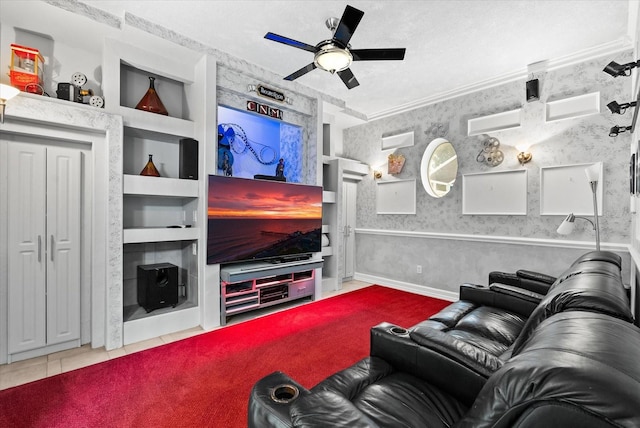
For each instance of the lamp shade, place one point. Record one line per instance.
(567, 225)
(332, 58)
(7, 92)
(593, 172)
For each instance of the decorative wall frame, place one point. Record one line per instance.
(494, 122)
(564, 189)
(572, 107)
(396, 197)
(495, 193)
(397, 141)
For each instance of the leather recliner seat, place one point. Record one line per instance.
(573, 362)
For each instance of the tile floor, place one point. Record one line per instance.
(25, 371)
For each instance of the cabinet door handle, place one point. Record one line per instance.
(39, 248)
(53, 244)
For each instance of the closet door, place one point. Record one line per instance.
(26, 235)
(63, 244)
(44, 245)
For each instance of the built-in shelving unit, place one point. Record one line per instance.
(330, 271)
(160, 214)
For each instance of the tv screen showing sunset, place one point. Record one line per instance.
(259, 219)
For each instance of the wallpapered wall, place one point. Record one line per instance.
(572, 141)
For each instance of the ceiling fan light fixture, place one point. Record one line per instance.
(332, 58)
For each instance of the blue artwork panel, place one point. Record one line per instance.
(250, 144)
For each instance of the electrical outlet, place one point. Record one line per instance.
(419, 269)
(194, 249)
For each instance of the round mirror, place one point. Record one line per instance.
(439, 167)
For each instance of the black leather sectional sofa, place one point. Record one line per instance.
(527, 350)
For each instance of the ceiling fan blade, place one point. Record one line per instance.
(290, 42)
(347, 25)
(377, 54)
(348, 78)
(304, 70)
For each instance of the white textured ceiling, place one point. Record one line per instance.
(451, 44)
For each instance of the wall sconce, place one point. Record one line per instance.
(524, 157)
(620, 108)
(614, 69)
(377, 174)
(567, 225)
(6, 93)
(613, 132)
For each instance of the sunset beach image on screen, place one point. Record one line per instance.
(260, 219)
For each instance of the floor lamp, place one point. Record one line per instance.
(566, 227)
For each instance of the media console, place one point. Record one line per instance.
(250, 286)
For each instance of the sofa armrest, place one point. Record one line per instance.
(271, 399)
(499, 298)
(323, 409)
(521, 293)
(526, 279)
(441, 368)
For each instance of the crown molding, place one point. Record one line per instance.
(575, 58)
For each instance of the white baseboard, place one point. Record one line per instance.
(407, 286)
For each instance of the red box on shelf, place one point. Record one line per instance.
(26, 69)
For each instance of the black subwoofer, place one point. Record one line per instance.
(157, 286)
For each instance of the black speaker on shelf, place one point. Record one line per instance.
(533, 90)
(188, 159)
(157, 286)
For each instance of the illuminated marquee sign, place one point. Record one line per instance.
(264, 109)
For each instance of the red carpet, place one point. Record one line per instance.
(205, 380)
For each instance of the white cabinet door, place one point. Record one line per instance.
(26, 235)
(63, 245)
(44, 245)
(349, 192)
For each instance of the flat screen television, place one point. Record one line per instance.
(262, 220)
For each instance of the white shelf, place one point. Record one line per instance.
(159, 234)
(156, 123)
(160, 324)
(574, 107)
(159, 186)
(328, 197)
(494, 122)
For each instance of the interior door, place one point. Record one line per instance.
(63, 244)
(26, 246)
(44, 245)
(349, 191)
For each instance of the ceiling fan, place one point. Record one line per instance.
(335, 55)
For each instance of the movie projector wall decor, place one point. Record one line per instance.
(73, 91)
(490, 153)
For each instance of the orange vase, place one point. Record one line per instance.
(151, 100)
(150, 169)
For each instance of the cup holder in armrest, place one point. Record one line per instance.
(399, 331)
(285, 393)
